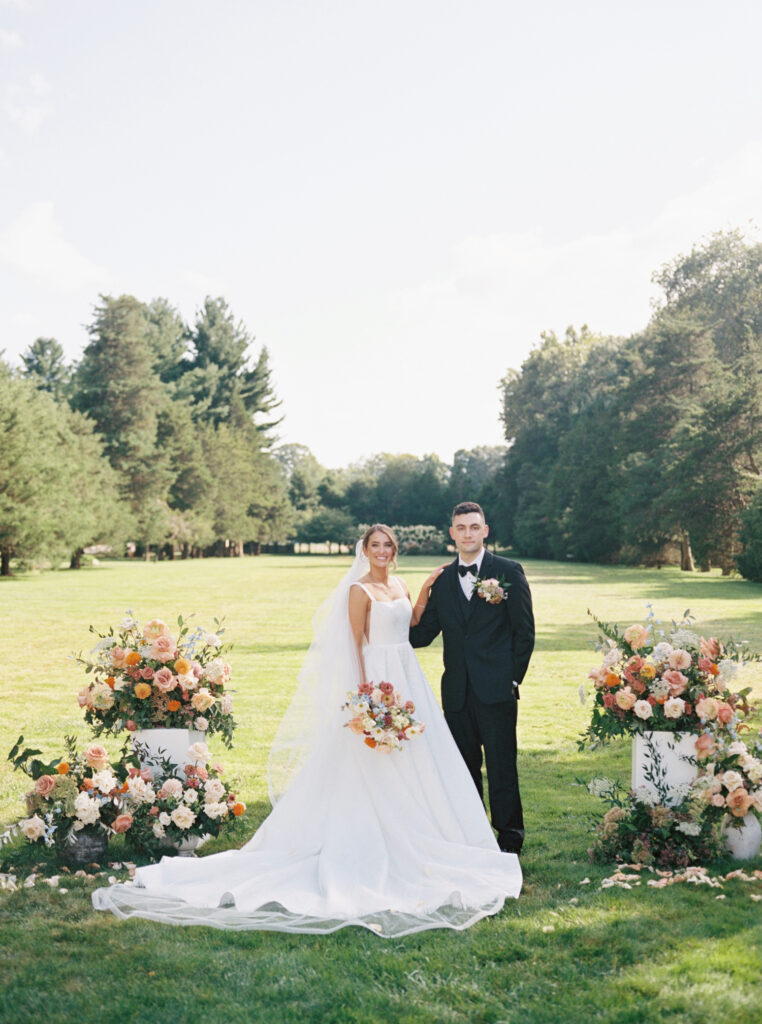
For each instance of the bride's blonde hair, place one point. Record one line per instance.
(389, 532)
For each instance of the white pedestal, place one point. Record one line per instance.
(169, 744)
(659, 763)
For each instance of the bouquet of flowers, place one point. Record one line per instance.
(147, 677)
(677, 681)
(76, 794)
(638, 829)
(381, 716)
(730, 777)
(178, 803)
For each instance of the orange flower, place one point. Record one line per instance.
(142, 690)
(182, 666)
(648, 672)
(111, 682)
(238, 809)
(133, 658)
(123, 788)
(714, 670)
(370, 742)
(87, 783)
(174, 705)
(612, 679)
(63, 768)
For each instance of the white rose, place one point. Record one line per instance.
(215, 670)
(201, 723)
(190, 796)
(213, 790)
(738, 748)
(674, 707)
(183, 816)
(215, 810)
(86, 809)
(164, 818)
(754, 771)
(642, 709)
(730, 780)
(173, 788)
(158, 830)
(140, 791)
(212, 640)
(199, 753)
(226, 704)
(33, 828)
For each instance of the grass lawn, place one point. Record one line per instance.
(678, 954)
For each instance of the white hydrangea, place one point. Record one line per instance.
(659, 688)
(684, 638)
(662, 651)
(689, 828)
(643, 795)
(600, 787)
(105, 781)
(87, 810)
(728, 669)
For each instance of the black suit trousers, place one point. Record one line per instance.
(493, 727)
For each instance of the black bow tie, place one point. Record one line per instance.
(465, 569)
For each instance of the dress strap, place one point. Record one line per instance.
(357, 583)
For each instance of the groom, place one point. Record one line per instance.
(487, 648)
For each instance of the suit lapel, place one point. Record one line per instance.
(485, 573)
(456, 591)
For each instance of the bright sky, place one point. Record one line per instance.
(396, 197)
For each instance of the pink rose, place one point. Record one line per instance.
(122, 822)
(705, 746)
(608, 699)
(145, 774)
(130, 726)
(724, 713)
(677, 682)
(96, 757)
(386, 688)
(718, 800)
(173, 788)
(147, 672)
(355, 725)
(44, 785)
(707, 708)
(163, 648)
(636, 636)
(154, 629)
(85, 697)
(738, 802)
(165, 680)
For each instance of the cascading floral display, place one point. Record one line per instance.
(149, 677)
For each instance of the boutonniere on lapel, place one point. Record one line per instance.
(492, 590)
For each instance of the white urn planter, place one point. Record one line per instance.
(661, 762)
(743, 843)
(166, 744)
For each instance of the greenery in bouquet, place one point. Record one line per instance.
(148, 677)
(79, 793)
(639, 829)
(673, 680)
(177, 802)
(729, 783)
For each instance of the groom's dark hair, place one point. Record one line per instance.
(464, 508)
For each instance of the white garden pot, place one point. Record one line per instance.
(169, 744)
(660, 763)
(743, 843)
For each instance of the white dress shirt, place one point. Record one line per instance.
(468, 581)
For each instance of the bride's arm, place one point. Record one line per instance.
(423, 597)
(358, 613)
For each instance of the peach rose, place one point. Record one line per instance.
(677, 682)
(154, 629)
(44, 785)
(636, 636)
(202, 700)
(118, 657)
(163, 648)
(705, 746)
(738, 802)
(625, 699)
(96, 757)
(679, 659)
(84, 697)
(356, 726)
(122, 822)
(707, 708)
(164, 680)
(674, 707)
(709, 648)
(718, 800)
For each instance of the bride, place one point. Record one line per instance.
(396, 843)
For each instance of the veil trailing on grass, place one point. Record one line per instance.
(329, 670)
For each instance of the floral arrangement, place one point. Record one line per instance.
(77, 793)
(729, 784)
(673, 681)
(493, 591)
(147, 677)
(640, 829)
(381, 716)
(177, 803)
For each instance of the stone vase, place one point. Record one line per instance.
(742, 843)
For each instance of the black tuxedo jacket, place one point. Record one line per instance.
(488, 644)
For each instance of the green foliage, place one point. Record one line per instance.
(750, 558)
(44, 364)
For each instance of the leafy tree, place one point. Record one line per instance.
(303, 473)
(327, 526)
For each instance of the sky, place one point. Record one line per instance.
(397, 198)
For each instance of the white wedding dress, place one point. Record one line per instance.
(396, 843)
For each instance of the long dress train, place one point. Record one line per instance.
(396, 843)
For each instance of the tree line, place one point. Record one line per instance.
(648, 448)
